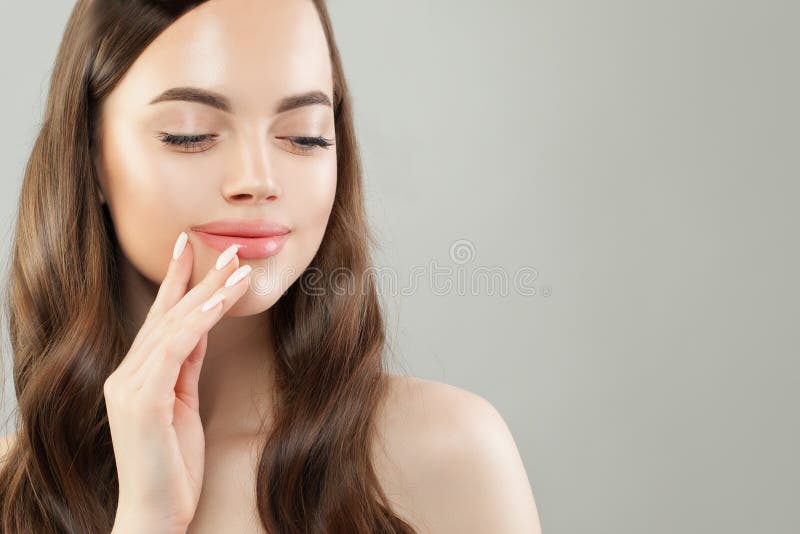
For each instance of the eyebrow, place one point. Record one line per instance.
(221, 102)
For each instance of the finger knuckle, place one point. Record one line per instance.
(184, 336)
(168, 317)
(110, 387)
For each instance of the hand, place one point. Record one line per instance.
(152, 400)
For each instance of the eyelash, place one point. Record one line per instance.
(305, 144)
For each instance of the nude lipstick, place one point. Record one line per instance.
(256, 239)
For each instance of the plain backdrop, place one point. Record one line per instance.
(641, 158)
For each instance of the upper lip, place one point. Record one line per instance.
(243, 228)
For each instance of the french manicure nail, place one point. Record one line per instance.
(213, 301)
(180, 244)
(226, 256)
(237, 275)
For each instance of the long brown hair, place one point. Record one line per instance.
(65, 320)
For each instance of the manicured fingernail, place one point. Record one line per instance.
(213, 301)
(226, 256)
(180, 244)
(237, 275)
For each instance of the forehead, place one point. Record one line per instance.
(253, 51)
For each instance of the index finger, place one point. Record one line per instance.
(174, 285)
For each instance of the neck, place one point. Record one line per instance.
(236, 382)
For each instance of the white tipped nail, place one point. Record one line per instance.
(237, 275)
(213, 301)
(180, 244)
(226, 256)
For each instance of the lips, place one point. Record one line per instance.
(255, 239)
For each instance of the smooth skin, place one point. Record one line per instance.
(153, 403)
(444, 456)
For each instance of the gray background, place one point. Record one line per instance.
(642, 157)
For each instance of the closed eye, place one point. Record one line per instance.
(310, 143)
(305, 144)
(188, 141)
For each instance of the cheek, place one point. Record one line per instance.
(309, 198)
(149, 198)
(310, 201)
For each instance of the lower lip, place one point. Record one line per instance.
(249, 247)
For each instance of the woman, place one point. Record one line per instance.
(227, 125)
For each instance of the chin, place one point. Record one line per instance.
(253, 304)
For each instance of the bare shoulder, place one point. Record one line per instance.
(448, 461)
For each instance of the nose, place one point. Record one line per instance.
(252, 181)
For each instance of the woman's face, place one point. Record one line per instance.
(247, 163)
